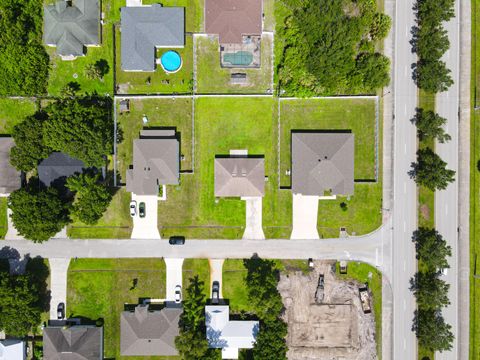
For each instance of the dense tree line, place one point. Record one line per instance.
(329, 47)
(81, 128)
(431, 292)
(261, 281)
(24, 63)
(430, 42)
(192, 343)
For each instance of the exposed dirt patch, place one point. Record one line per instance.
(335, 329)
(425, 211)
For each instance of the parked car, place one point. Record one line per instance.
(133, 208)
(177, 240)
(215, 292)
(310, 263)
(343, 267)
(61, 311)
(178, 294)
(141, 210)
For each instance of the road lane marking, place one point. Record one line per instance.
(404, 226)
(406, 70)
(446, 209)
(404, 187)
(404, 266)
(405, 109)
(404, 305)
(404, 343)
(405, 148)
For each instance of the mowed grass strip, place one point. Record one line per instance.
(212, 78)
(14, 111)
(99, 288)
(197, 267)
(3, 217)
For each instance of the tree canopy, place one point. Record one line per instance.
(91, 199)
(430, 126)
(329, 47)
(82, 128)
(432, 331)
(431, 171)
(430, 291)
(24, 63)
(38, 213)
(432, 249)
(29, 147)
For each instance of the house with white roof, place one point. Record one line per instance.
(12, 350)
(228, 335)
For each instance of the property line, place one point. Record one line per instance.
(278, 142)
(200, 95)
(377, 116)
(114, 142)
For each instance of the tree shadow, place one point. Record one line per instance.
(39, 273)
(103, 67)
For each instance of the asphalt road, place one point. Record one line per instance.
(446, 201)
(404, 204)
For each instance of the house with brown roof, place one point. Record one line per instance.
(147, 332)
(239, 176)
(322, 163)
(156, 162)
(238, 24)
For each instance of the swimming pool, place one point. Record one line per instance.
(171, 61)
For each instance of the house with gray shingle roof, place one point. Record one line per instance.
(70, 26)
(322, 162)
(147, 332)
(238, 176)
(58, 167)
(146, 28)
(156, 161)
(9, 176)
(73, 342)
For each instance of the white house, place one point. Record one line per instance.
(12, 350)
(230, 336)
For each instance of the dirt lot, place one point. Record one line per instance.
(336, 329)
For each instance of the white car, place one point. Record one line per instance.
(178, 294)
(133, 208)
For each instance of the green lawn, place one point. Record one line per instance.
(475, 187)
(99, 288)
(3, 217)
(269, 15)
(63, 72)
(365, 273)
(212, 78)
(200, 267)
(116, 222)
(160, 113)
(14, 111)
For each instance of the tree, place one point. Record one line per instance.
(191, 343)
(37, 213)
(82, 128)
(261, 281)
(380, 26)
(431, 171)
(91, 199)
(92, 72)
(432, 331)
(431, 248)
(29, 147)
(19, 304)
(270, 342)
(430, 126)
(70, 89)
(372, 72)
(432, 76)
(430, 291)
(434, 12)
(430, 43)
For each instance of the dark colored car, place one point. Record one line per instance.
(61, 311)
(177, 240)
(141, 210)
(215, 292)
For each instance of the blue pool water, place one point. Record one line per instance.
(171, 61)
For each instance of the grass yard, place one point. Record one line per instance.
(14, 111)
(3, 217)
(365, 273)
(193, 267)
(116, 222)
(475, 187)
(99, 288)
(212, 78)
(269, 15)
(63, 72)
(160, 113)
(158, 81)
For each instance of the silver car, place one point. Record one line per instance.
(133, 208)
(178, 294)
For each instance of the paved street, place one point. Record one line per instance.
(405, 202)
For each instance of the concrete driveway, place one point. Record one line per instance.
(174, 277)
(58, 285)
(305, 217)
(253, 224)
(146, 228)
(216, 271)
(12, 233)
